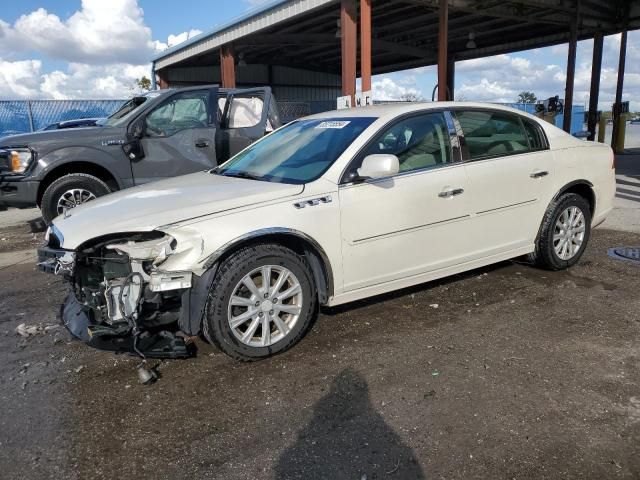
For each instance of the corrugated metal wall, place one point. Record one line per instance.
(288, 84)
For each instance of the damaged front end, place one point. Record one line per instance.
(121, 299)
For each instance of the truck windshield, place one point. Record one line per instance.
(297, 153)
(127, 108)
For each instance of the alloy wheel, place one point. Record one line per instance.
(72, 198)
(569, 232)
(265, 306)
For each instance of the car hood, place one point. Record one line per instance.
(174, 200)
(47, 141)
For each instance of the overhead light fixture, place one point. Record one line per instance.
(472, 40)
(339, 30)
(241, 61)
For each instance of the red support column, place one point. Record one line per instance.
(349, 47)
(162, 80)
(227, 67)
(443, 39)
(365, 44)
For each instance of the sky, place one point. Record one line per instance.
(98, 48)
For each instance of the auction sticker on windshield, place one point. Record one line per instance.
(334, 124)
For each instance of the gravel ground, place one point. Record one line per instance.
(504, 372)
(518, 373)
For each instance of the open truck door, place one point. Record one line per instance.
(246, 115)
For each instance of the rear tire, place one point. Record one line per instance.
(564, 233)
(70, 190)
(247, 320)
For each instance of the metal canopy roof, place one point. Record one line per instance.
(304, 33)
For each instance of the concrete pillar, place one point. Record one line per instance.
(349, 40)
(227, 66)
(594, 91)
(443, 40)
(365, 44)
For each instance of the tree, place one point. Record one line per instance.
(144, 83)
(527, 97)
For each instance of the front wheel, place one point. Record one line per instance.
(70, 191)
(564, 233)
(262, 302)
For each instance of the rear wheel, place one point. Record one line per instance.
(564, 233)
(262, 302)
(70, 191)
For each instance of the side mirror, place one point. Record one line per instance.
(138, 131)
(379, 166)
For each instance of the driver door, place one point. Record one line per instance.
(179, 137)
(414, 222)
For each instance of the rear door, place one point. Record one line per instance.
(179, 136)
(510, 173)
(245, 118)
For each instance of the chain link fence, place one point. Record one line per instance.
(22, 116)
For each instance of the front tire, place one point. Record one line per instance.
(564, 233)
(262, 302)
(70, 191)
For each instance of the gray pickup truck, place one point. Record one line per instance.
(162, 134)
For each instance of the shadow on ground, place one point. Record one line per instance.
(347, 438)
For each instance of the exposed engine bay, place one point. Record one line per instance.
(120, 300)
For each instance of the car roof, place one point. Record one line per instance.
(391, 110)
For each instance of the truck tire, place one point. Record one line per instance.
(69, 191)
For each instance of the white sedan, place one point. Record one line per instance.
(329, 209)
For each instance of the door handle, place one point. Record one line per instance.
(202, 144)
(452, 192)
(539, 174)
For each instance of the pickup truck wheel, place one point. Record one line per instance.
(70, 191)
(262, 302)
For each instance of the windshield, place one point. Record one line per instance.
(126, 110)
(297, 153)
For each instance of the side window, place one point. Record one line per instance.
(418, 142)
(534, 135)
(182, 111)
(491, 134)
(245, 111)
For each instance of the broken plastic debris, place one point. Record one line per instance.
(434, 305)
(25, 330)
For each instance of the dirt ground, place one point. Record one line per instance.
(515, 373)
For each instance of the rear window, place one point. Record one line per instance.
(534, 135)
(492, 134)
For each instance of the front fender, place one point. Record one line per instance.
(113, 162)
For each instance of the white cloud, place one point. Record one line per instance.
(387, 89)
(173, 40)
(100, 32)
(106, 44)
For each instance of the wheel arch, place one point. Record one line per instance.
(582, 187)
(297, 241)
(68, 168)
